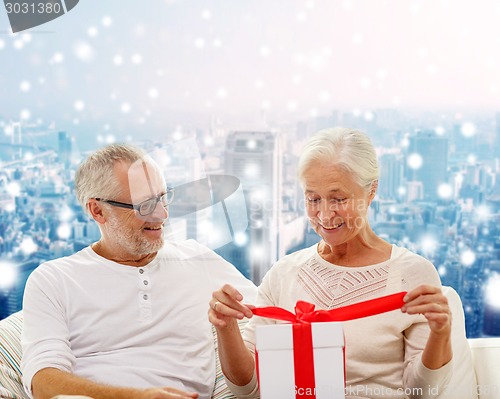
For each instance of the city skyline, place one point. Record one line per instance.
(448, 215)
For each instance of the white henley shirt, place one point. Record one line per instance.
(127, 326)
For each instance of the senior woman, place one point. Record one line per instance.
(394, 353)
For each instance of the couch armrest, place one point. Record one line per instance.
(486, 355)
(11, 385)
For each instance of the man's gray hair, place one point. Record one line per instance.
(348, 148)
(95, 176)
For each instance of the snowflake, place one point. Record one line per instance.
(79, 105)
(125, 108)
(25, 114)
(468, 129)
(25, 86)
(439, 130)
(14, 189)
(83, 51)
(206, 14)
(8, 274)
(467, 257)
(106, 21)
(64, 231)
(117, 60)
(153, 93)
(492, 296)
(445, 191)
(28, 246)
(199, 42)
(92, 31)
(415, 161)
(57, 58)
(137, 59)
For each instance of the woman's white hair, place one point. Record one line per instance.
(344, 147)
(95, 176)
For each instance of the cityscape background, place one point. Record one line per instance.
(223, 89)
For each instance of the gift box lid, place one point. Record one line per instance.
(279, 336)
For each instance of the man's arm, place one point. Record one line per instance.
(50, 382)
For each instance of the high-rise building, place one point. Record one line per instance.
(463, 143)
(65, 144)
(391, 174)
(255, 158)
(433, 152)
(497, 136)
(414, 191)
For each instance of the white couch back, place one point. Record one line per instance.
(486, 357)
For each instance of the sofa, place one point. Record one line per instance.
(11, 386)
(476, 364)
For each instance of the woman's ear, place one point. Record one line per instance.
(95, 209)
(373, 190)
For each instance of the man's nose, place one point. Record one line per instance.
(160, 213)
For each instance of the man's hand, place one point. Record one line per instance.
(168, 393)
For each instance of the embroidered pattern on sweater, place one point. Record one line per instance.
(333, 287)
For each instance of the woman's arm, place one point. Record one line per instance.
(226, 309)
(430, 302)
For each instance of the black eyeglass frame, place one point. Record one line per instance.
(137, 207)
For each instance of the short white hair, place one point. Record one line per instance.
(348, 148)
(95, 176)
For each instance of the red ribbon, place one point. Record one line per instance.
(302, 334)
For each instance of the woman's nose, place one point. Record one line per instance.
(326, 210)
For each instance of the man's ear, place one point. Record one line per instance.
(95, 209)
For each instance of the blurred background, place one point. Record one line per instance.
(235, 88)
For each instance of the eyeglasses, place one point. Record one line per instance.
(146, 207)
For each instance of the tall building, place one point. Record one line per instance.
(255, 158)
(65, 145)
(391, 175)
(462, 144)
(497, 136)
(433, 151)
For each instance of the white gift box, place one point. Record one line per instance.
(274, 345)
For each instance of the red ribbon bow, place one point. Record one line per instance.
(302, 334)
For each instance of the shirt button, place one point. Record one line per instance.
(145, 282)
(145, 297)
(141, 271)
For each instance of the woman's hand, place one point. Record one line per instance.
(430, 301)
(226, 305)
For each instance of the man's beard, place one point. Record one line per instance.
(132, 240)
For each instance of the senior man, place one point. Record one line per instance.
(126, 316)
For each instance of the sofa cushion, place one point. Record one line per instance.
(11, 385)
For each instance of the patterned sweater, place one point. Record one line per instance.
(383, 352)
